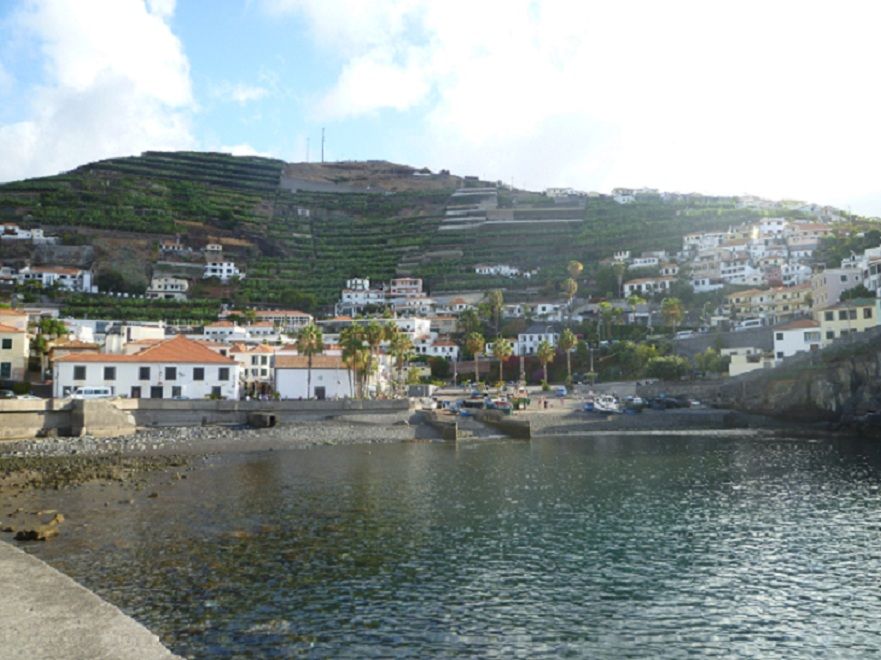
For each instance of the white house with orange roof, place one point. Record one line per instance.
(648, 286)
(255, 367)
(14, 350)
(330, 377)
(172, 369)
(437, 347)
(224, 331)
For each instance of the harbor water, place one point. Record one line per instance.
(602, 546)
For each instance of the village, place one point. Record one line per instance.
(759, 297)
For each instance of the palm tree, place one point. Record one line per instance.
(567, 342)
(607, 313)
(545, 353)
(352, 342)
(400, 347)
(634, 301)
(672, 311)
(502, 349)
(50, 329)
(574, 268)
(309, 343)
(475, 344)
(496, 301)
(570, 288)
(374, 334)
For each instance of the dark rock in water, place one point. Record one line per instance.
(39, 533)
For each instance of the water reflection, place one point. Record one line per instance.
(591, 546)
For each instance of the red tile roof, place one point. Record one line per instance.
(179, 349)
(9, 328)
(302, 362)
(798, 324)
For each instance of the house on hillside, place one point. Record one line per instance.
(222, 270)
(71, 279)
(168, 288)
(177, 368)
(797, 337)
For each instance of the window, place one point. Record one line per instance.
(254, 359)
(830, 334)
(5, 370)
(175, 392)
(199, 373)
(215, 392)
(7, 344)
(79, 372)
(170, 373)
(867, 312)
(144, 373)
(136, 392)
(812, 336)
(109, 373)
(842, 314)
(829, 316)
(223, 373)
(779, 336)
(851, 314)
(780, 355)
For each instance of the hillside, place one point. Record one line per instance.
(299, 230)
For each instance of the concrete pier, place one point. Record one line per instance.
(45, 614)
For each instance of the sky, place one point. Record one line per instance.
(774, 98)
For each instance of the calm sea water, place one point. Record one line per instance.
(599, 547)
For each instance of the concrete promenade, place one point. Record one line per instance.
(45, 614)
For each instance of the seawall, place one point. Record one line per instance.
(29, 418)
(46, 614)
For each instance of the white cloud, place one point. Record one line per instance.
(241, 93)
(728, 97)
(116, 82)
(245, 150)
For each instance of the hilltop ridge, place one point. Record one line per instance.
(299, 230)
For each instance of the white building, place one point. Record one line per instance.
(442, 347)
(330, 378)
(72, 279)
(499, 270)
(528, 341)
(746, 359)
(255, 367)
(222, 270)
(175, 368)
(168, 288)
(647, 286)
(796, 337)
(223, 331)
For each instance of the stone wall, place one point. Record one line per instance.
(22, 418)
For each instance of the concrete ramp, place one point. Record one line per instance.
(45, 614)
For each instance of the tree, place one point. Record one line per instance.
(634, 301)
(570, 288)
(502, 349)
(400, 347)
(309, 343)
(667, 367)
(356, 356)
(672, 311)
(607, 313)
(469, 321)
(374, 334)
(574, 268)
(475, 344)
(545, 353)
(495, 299)
(568, 341)
(50, 329)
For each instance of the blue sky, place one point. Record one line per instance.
(774, 99)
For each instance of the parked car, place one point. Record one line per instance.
(96, 392)
(560, 390)
(7, 394)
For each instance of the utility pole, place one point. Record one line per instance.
(322, 145)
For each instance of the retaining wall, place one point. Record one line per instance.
(22, 418)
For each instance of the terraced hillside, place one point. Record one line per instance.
(299, 230)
